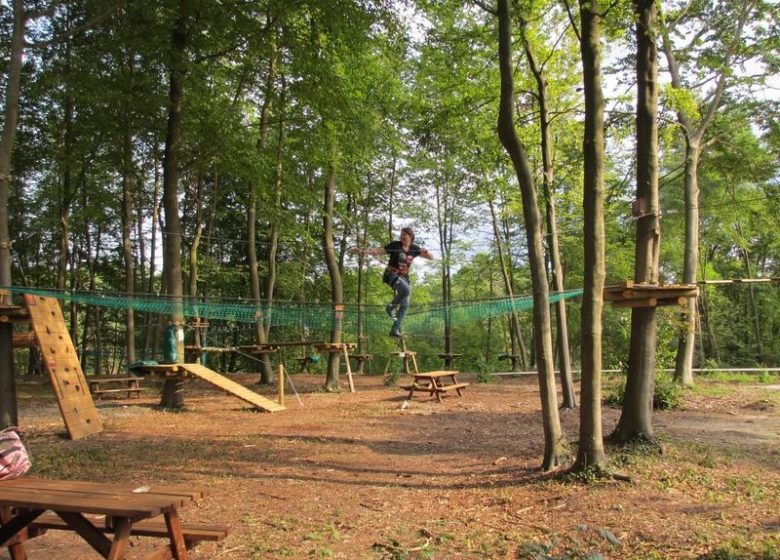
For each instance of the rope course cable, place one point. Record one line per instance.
(421, 318)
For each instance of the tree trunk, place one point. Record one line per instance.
(554, 444)
(756, 319)
(273, 234)
(683, 369)
(515, 338)
(519, 358)
(152, 321)
(444, 224)
(8, 408)
(694, 130)
(173, 395)
(261, 333)
(336, 287)
(193, 259)
(564, 357)
(590, 451)
(637, 412)
(127, 245)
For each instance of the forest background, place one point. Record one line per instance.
(255, 143)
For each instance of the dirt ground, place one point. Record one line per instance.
(372, 475)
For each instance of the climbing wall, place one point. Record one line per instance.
(61, 361)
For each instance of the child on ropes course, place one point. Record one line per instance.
(401, 254)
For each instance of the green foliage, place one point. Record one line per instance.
(682, 100)
(667, 394)
(582, 543)
(746, 549)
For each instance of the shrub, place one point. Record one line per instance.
(667, 394)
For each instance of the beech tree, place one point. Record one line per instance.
(636, 414)
(554, 445)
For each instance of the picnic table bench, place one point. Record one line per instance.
(123, 510)
(435, 383)
(108, 384)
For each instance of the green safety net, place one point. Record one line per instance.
(420, 319)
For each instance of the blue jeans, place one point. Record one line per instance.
(403, 294)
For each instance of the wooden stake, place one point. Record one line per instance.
(280, 380)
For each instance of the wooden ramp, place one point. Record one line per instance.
(231, 387)
(61, 361)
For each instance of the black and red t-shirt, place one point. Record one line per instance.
(401, 260)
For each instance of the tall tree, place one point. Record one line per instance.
(172, 396)
(548, 188)
(590, 451)
(8, 410)
(554, 444)
(715, 48)
(636, 414)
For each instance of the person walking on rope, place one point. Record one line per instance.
(401, 254)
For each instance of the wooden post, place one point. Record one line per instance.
(349, 368)
(280, 380)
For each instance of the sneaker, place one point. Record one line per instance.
(395, 332)
(390, 310)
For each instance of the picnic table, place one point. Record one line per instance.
(106, 384)
(435, 383)
(123, 510)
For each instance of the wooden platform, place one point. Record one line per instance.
(630, 294)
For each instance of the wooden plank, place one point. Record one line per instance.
(13, 314)
(182, 493)
(444, 388)
(61, 362)
(112, 496)
(432, 374)
(110, 378)
(23, 340)
(146, 528)
(87, 531)
(65, 501)
(232, 387)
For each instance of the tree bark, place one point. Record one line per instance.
(444, 221)
(514, 322)
(590, 451)
(683, 369)
(694, 130)
(8, 408)
(554, 443)
(636, 415)
(336, 286)
(128, 183)
(261, 333)
(173, 394)
(193, 260)
(548, 187)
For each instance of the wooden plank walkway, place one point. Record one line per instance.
(231, 387)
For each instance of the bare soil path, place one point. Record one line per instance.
(373, 476)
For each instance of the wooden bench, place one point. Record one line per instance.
(193, 532)
(129, 384)
(94, 510)
(435, 383)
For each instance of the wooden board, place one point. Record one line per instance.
(61, 361)
(232, 387)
